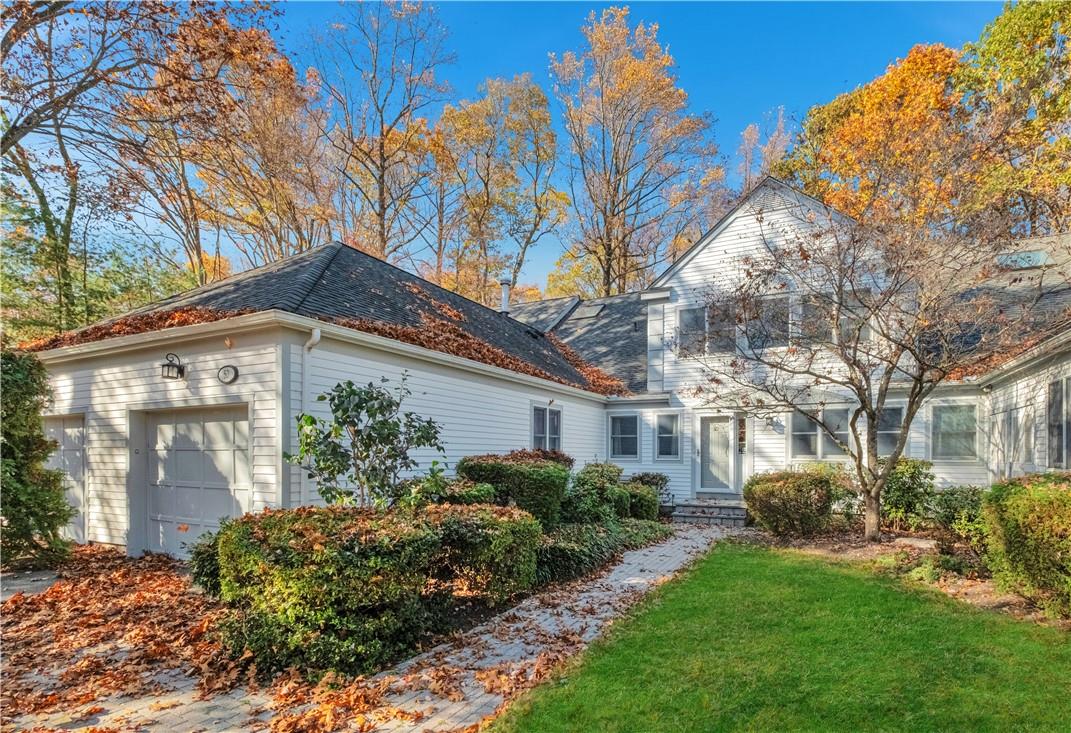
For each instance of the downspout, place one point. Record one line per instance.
(310, 344)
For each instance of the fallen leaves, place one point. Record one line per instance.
(132, 324)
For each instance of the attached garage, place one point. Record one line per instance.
(199, 472)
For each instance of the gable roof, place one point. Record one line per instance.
(340, 284)
(610, 332)
(763, 190)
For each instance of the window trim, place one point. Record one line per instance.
(931, 433)
(547, 409)
(821, 437)
(679, 434)
(610, 436)
(683, 353)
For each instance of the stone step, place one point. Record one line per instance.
(711, 511)
(710, 521)
(719, 495)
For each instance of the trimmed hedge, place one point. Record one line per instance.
(620, 500)
(463, 491)
(350, 590)
(492, 550)
(534, 486)
(575, 550)
(539, 455)
(1027, 525)
(792, 503)
(643, 501)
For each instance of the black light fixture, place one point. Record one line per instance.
(172, 368)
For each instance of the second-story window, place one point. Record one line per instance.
(768, 326)
(707, 330)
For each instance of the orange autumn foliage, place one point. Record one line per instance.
(133, 324)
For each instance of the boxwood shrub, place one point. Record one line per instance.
(792, 503)
(325, 588)
(492, 550)
(1028, 537)
(620, 499)
(575, 550)
(537, 486)
(643, 501)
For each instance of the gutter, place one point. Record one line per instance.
(133, 342)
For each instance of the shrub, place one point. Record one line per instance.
(907, 493)
(537, 486)
(204, 562)
(463, 491)
(539, 455)
(584, 504)
(657, 481)
(367, 443)
(325, 588)
(34, 508)
(574, 550)
(598, 477)
(620, 500)
(792, 503)
(1028, 537)
(492, 550)
(643, 500)
(958, 509)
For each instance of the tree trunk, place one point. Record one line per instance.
(872, 518)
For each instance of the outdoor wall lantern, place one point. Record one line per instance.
(172, 368)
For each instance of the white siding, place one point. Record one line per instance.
(678, 470)
(477, 413)
(110, 390)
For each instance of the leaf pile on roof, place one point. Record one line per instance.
(108, 626)
(983, 366)
(599, 380)
(443, 308)
(134, 324)
(449, 338)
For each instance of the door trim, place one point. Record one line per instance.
(697, 446)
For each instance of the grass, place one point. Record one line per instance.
(759, 639)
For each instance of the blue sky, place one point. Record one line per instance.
(737, 61)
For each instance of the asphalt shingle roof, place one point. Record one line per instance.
(337, 282)
(543, 314)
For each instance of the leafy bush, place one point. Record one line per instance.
(367, 443)
(657, 481)
(463, 491)
(643, 500)
(907, 493)
(598, 477)
(34, 508)
(620, 500)
(574, 550)
(1028, 537)
(325, 588)
(535, 486)
(204, 562)
(539, 455)
(792, 503)
(585, 504)
(958, 509)
(492, 550)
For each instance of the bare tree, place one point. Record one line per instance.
(852, 325)
(379, 67)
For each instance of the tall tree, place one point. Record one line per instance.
(640, 162)
(380, 66)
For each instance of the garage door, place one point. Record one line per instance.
(199, 472)
(69, 457)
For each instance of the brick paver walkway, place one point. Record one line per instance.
(452, 686)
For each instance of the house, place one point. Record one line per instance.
(178, 414)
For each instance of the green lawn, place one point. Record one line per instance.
(757, 639)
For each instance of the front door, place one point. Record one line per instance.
(715, 453)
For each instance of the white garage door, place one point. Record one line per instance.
(199, 473)
(69, 433)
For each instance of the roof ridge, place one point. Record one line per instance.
(319, 273)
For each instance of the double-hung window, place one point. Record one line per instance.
(625, 436)
(953, 433)
(818, 312)
(890, 423)
(811, 442)
(668, 436)
(546, 428)
(768, 326)
(707, 330)
(1058, 423)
